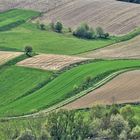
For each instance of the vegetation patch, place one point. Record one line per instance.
(15, 17)
(52, 94)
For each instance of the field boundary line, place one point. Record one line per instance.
(73, 98)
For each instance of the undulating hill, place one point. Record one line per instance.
(114, 16)
(64, 86)
(122, 89)
(128, 49)
(38, 5)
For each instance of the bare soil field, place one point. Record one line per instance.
(114, 16)
(127, 49)
(122, 89)
(50, 61)
(6, 56)
(38, 5)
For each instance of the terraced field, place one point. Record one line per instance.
(62, 87)
(122, 89)
(6, 56)
(128, 49)
(114, 16)
(50, 62)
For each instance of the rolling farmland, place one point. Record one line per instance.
(51, 94)
(15, 81)
(114, 16)
(69, 65)
(50, 62)
(14, 18)
(128, 49)
(122, 89)
(49, 45)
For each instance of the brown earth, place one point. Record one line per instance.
(38, 5)
(6, 56)
(50, 61)
(122, 89)
(127, 49)
(114, 16)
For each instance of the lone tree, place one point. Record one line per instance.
(58, 27)
(28, 51)
(42, 26)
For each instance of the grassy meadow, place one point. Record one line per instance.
(47, 41)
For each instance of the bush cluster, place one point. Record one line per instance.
(100, 122)
(86, 32)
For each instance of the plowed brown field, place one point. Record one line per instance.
(122, 89)
(114, 16)
(6, 56)
(38, 5)
(127, 49)
(50, 61)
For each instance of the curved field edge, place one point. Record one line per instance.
(62, 104)
(51, 42)
(15, 17)
(16, 82)
(51, 94)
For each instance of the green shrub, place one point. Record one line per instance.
(58, 27)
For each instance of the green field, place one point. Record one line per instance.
(59, 89)
(47, 41)
(17, 81)
(15, 17)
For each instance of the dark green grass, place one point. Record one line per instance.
(15, 17)
(16, 81)
(59, 89)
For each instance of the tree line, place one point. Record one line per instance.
(83, 31)
(100, 122)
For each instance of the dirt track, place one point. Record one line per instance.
(127, 49)
(122, 89)
(6, 56)
(50, 61)
(114, 16)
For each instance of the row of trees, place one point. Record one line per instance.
(83, 31)
(57, 27)
(101, 122)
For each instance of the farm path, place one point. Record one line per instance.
(122, 89)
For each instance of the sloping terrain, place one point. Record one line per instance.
(62, 87)
(50, 61)
(122, 89)
(16, 82)
(14, 18)
(38, 5)
(127, 49)
(6, 56)
(114, 16)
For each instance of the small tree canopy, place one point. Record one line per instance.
(58, 27)
(28, 51)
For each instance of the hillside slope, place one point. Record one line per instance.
(127, 49)
(38, 5)
(122, 89)
(115, 16)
